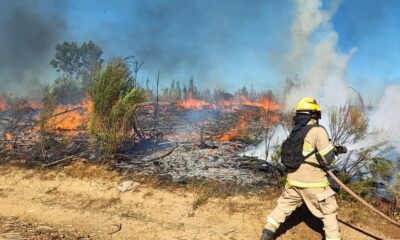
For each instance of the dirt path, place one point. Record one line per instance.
(58, 205)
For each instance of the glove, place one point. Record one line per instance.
(267, 234)
(339, 149)
(335, 187)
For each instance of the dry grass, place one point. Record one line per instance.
(200, 200)
(148, 194)
(134, 215)
(78, 201)
(100, 203)
(82, 169)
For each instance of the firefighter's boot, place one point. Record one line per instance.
(267, 235)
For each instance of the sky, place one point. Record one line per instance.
(373, 27)
(221, 43)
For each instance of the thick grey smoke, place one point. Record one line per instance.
(212, 40)
(29, 31)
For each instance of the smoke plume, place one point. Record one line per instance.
(321, 65)
(29, 31)
(315, 56)
(212, 40)
(386, 116)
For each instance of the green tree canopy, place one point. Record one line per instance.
(78, 61)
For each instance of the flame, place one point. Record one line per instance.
(8, 137)
(68, 121)
(3, 103)
(192, 103)
(265, 110)
(5, 106)
(239, 129)
(69, 118)
(72, 120)
(266, 106)
(264, 103)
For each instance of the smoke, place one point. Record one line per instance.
(212, 40)
(29, 31)
(386, 117)
(265, 148)
(315, 56)
(317, 59)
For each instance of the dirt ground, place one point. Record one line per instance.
(63, 204)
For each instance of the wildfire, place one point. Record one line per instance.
(3, 103)
(71, 117)
(192, 103)
(9, 138)
(264, 103)
(266, 111)
(230, 104)
(239, 129)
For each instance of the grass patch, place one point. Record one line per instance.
(81, 170)
(200, 200)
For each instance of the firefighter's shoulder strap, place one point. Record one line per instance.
(307, 129)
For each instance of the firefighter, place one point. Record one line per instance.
(308, 183)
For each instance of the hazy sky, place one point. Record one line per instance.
(226, 43)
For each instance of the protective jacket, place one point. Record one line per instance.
(310, 174)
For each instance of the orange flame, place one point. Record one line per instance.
(237, 130)
(3, 103)
(264, 103)
(230, 104)
(68, 118)
(5, 106)
(9, 138)
(192, 103)
(74, 119)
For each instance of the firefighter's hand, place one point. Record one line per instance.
(267, 234)
(339, 149)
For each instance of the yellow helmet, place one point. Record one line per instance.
(309, 105)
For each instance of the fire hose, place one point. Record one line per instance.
(353, 194)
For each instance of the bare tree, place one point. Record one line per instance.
(348, 125)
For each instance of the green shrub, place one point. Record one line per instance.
(115, 98)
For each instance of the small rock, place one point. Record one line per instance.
(128, 185)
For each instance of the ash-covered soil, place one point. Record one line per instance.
(81, 201)
(212, 160)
